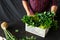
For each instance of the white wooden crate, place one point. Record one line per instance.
(35, 30)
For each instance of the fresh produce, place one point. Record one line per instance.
(29, 38)
(8, 35)
(43, 20)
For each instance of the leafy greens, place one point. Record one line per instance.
(43, 20)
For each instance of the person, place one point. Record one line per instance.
(33, 6)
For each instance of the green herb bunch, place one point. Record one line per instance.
(9, 36)
(43, 20)
(29, 38)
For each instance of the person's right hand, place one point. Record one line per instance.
(30, 14)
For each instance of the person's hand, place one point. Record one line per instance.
(30, 14)
(4, 25)
(54, 9)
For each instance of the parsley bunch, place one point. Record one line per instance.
(43, 20)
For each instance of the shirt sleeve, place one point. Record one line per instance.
(54, 2)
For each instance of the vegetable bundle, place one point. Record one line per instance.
(9, 36)
(29, 38)
(43, 20)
